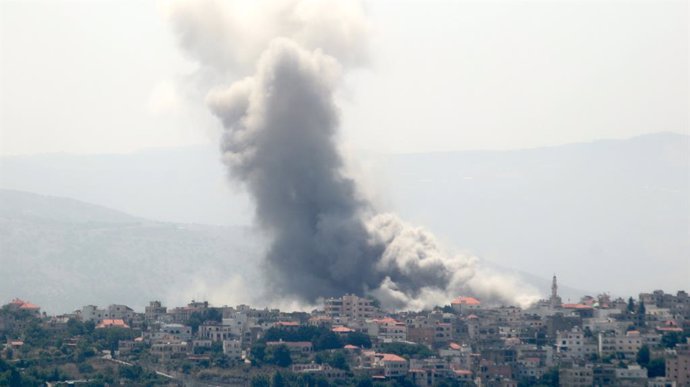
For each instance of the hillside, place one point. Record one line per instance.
(610, 215)
(65, 254)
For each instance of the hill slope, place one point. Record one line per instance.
(611, 215)
(63, 253)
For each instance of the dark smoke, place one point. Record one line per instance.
(279, 139)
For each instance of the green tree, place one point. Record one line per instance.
(9, 376)
(670, 339)
(656, 367)
(258, 353)
(641, 314)
(278, 380)
(328, 340)
(588, 332)
(75, 327)
(364, 381)
(280, 356)
(358, 339)
(643, 356)
(339, 361)
(550, 378)
(260, 381)
(131, 372)
(631, 305)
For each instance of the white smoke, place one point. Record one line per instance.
(280, 121)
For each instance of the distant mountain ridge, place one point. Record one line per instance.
(609, 215)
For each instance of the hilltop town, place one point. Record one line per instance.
(351, 341)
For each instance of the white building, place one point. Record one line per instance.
(573, 344)
(232, 349)
(387, 329)
(182, 332)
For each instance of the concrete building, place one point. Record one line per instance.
(678, 366)
(182, 332)
(574, 345)
(387, 329)
(154, 311)
(215, 331)
(393, 365)
(349, 307)
(575, 376)
(465, 304)
(232, 349)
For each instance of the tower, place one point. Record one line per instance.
(555, 299)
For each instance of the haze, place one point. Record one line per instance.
(87, 89)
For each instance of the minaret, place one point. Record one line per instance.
(555, 300)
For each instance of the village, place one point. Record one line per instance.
(350, 340)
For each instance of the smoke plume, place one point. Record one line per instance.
(280, 124)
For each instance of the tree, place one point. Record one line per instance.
(9, 376)
(339, 361)
(278, 380)
(358, 339)
(588, 332)
(258, 353)
(643, 356)
(364, 381)
(328, 340)
(656, 367)
(260, 381)
(669, 340)
(641, 312)
(280, 356)
(631, 305)
(75, 327)
(131, 372)
(551, 377)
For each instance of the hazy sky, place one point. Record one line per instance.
(95, 77)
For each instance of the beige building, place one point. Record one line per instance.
(349, 307)
(678, 366)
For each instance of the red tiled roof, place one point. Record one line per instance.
(462, 372)
(287, 324)
(465, 301)
(350, 346)
(342, 330)
(24, 304)
(455, 346)
(392, 357)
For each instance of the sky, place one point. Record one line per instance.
(107, 77)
